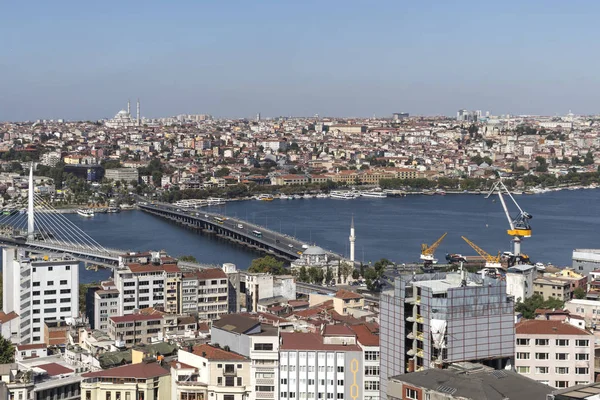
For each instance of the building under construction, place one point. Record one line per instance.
(432, 320)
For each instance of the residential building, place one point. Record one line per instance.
(287, 180)
(465, 381)
(135, 328)
(343, 301)
(322, 365)
(589, 310)
(368, 341)
(259, 343)
(586, 260)
(436, 319)
(205, 293)
(141, 381)
(39, 288)
(9, 326)
(559, 289)
(122, 174)
(554, 353)
(576, 280)
(209, 372)
(102, 302)
(519, 281)
(580, 392)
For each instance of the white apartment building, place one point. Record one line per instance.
(107, 303)
(369, 343)
(519, 281)
(326, 365)
(259, 343)
(589, 310)
(39, 288)
(145, 285)
(554, 353)
(205, 293)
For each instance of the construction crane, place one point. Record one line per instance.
(490, 261)
(428, 251)
(519, 226)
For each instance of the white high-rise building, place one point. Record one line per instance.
(39, 288)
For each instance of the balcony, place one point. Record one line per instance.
(265, 381)
(265, 395)
(410, 335)
(420, 319)
(420, 336)
(410, 319)
(229, 372)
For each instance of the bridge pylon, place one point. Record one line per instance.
(30, 216)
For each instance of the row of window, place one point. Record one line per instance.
(51, 292)
(557, 370)
(67, 268)
(52, 310)
(52, 301)
(558, 356)
(50, 283)
(311, 382)
(558, 342)
(310, 368)
(311, 395)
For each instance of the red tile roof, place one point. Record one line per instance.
(54, 369)
(135, 318)
(337, 330)
(214, 353)
(365, 336)
(310, 341)
(21, 347)
(547, 327)
(138, 371)
(346, 294)
(138, 268)
(7, 317)
(208, 273)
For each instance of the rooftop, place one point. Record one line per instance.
(217, 354)
(346, 294)
(138, 371)
(311, 341)
(236, 323)
(135, 318)
(547, 327)
(473, 381)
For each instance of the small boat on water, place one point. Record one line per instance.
(284, 196)
(307, 196)
(343, 195)
(373, 194)
(85, 212)
(322, 196)
(296, 197)
(113, 210)
(215, 201)
(265, 197)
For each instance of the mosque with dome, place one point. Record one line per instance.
(314, 256)
(123, 118)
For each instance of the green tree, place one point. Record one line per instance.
(267, 264)
(224, 171)
(528, 306)
(346, 270)
(355, 274)
(589, 158)
(579, 293)
(380, 265)
(187, 258)
(371, 278)
(303, 274)
(328, 275)
(7, 351)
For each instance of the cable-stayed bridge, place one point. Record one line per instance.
(36, 225)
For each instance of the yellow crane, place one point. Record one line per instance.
(428, 251)
(519, 226)
(490, 261)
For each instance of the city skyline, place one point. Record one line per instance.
(80, 62)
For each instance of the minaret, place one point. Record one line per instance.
(138, 112)
(128, 108)
(352, 240)
(30, 220)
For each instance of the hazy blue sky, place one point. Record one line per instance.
(83, 60)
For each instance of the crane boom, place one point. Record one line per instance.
(429, 250)
(486, 256)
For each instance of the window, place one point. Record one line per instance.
(541, 356)
(582, 357)
(36, 302)
(542, 370)
(371, 371)
(36, 284)
(263, 346)
(340, 369)
(36, 293)
(64, 283)
(284, 381)
(65, 300)
(65, 309)
(49, 292)
(411, 394)
(371, 355)
(561, 370)
(340, 382)
(562, 356)
(582, 370)
(50, 268)
(542, 342)
(371, 385)
(522, 356)
(108, 395)
(582, 343)
(68, 268)
(523, 370)
(49, 310)
(522, 342)
(50, 283)
(562, 342)
(239, 381)
(561, 384)
(65, 291)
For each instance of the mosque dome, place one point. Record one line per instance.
(122, 113)
(315, 251)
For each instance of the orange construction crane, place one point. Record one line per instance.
(428, 251)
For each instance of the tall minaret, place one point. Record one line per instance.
(128, 108)
(138, 112)
(30, 218)
(352, 240)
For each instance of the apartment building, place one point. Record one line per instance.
(432, 320)
(102, 302)
(343, 301)
(135, 328)
(554, 353)
(259, 343)
(589, 310)
(368, 341)
(140, 381)
(210, 372)
(547, 287)
(39, 288)
(122, 174)
(148, 285)
(205, 293)
(322, 365)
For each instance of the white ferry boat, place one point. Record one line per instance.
(374, 194)
(344, 195)
(85, 212)
(215, 201)
(322, 196)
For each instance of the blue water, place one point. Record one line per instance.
(393, 228)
